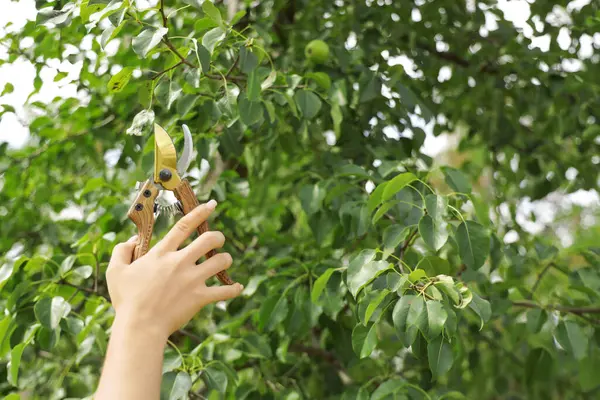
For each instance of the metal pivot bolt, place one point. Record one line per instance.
(165, 175)
(139, 207)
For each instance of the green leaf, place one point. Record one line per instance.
(588, 372)
(48, 15)
(49, 311)
(375, 299)
(416, 275)
(375, 198)
(440, 357)
(215, 379)
(337, 118)
(292, 104)
(147, 40)
(473, 244)
(237, 17)
(6, 272)
(364, 340)
(273, 312)
(212, 38)
(257, 346)
(434, 235)
(320, 284)
(60, 75)
(572, 338)
(393, 235)
(396, 184)
(67, 264)
(185, 104)
(482, 308)
(363, 269)
(119, 80)
(8, 88)
(436, 318)
(391, 390)
(370, 89)
(536, 318)
(253, 86)
(321, 79)
(432, 227)
(212, 12)
(406, 317)
(167, 92)
(110, 33)
(175, 385)
(88, 8)
(248, 60)
(308, 103)
(251, 112)
(457, 180)
(15, 363)
(466, 296)
(434, 265)
(446, 284)
(311, 198)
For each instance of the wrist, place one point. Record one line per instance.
(133, 325)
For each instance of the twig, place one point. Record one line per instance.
(408, 242)
(231, 78)
(166, 41)
(237, 58)
(161, 73)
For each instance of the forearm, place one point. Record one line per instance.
(133, 366)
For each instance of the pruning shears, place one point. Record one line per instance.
(168, 176)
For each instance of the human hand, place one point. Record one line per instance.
(162, 290)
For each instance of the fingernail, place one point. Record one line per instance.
(211, 204)
(132, 239)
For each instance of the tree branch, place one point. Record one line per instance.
(161, 73)
(162, 13)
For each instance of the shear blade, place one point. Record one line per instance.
(186, 156)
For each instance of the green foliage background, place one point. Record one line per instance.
(407, 291)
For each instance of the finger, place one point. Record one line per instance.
(221, 293)
(213, 265)
(123, 252)
(185, 226)
(203, 244)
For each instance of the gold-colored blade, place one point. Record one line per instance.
(165, 159)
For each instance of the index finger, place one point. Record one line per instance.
(185, 226)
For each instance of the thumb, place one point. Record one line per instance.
(123, 252)
(219, 293)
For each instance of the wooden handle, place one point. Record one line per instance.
(186, 196)
(141, 213)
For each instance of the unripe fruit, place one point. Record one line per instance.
(317, 51)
